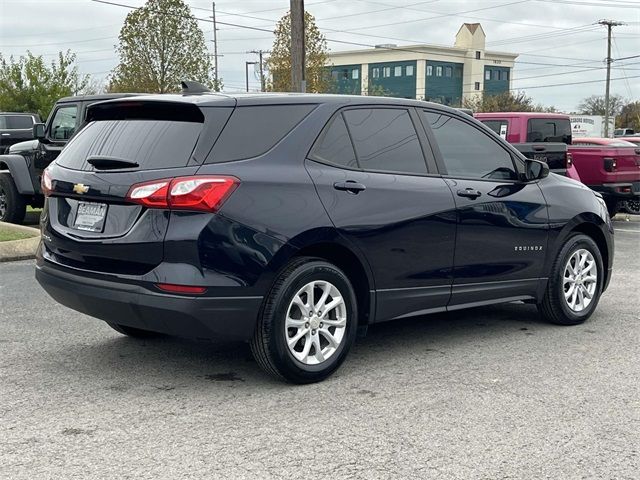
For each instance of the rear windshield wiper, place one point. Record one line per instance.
(111, 163)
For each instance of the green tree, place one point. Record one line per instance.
(629, 116)
(279, 63)
(595, 105)
(505, 102)
(161, 45)
(30, 84)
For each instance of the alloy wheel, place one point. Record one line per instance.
(316, 322)
(580, 280)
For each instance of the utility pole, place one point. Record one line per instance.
(298, 83)
(246, 73)
(261, 63)
(215, 46)
(609, 24)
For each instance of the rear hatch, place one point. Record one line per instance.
(89, 221)
(554, 154)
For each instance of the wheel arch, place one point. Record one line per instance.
(326, 243)
(594, 227)
(347, 261)
(17, 166)
(595, 233)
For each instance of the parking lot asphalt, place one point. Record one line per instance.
(488, 393)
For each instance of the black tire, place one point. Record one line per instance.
(269, 343)
(632, 207)
(133, 332)
(13, 206)
(554, 307)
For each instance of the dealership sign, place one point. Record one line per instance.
(590, 126)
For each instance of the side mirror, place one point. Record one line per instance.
(38, 131)
(535, 169)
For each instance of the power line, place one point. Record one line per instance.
(360, 44)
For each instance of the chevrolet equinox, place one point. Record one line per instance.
(291, 221)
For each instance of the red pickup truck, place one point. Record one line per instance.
(612, 170)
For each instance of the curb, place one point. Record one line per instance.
(626, 217)
(19, 249)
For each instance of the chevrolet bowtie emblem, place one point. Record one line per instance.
(80, 188)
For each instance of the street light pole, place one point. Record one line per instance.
(246, 72)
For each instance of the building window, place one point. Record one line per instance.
(487, 74)
(355, 73)
(478, 54)
(375, 72)
(477, 85)
(397, 71)
(448, 71)
(458, 72)
(334, 74)
(429, 70)
(496, 74)
(409, 70)
(438, 71)
(504, 75)
(386, 72)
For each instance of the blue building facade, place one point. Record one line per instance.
(496, 80)
(443, 82)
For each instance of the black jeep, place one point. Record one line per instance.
(21, 168)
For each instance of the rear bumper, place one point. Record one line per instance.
(623, 191)
(204, 317)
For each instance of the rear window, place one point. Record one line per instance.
(252, 131)
(498, 126)
(15, 122)
(153, 144)
(549, 130)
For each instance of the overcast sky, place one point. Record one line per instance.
(557, 40)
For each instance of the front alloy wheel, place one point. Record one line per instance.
(575, 282)
(580, 280)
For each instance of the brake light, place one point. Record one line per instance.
(200, 192)
(46, 184)
(610, 164)
(569, 159)
(170, 287)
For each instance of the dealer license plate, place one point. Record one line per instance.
(90, 216)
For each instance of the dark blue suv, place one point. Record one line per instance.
(289, 221)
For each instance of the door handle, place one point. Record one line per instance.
(350, 186)
(469, 193)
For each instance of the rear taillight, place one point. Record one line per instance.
(610, 164)
(46, 184)
(569, 160)
(200, 192)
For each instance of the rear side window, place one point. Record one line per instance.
(469, 152)
(252, 131)
(15, 122)
(549, 130)
(150, 143)
(386, 139)
(334, 145)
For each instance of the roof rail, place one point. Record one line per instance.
(189, 86)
